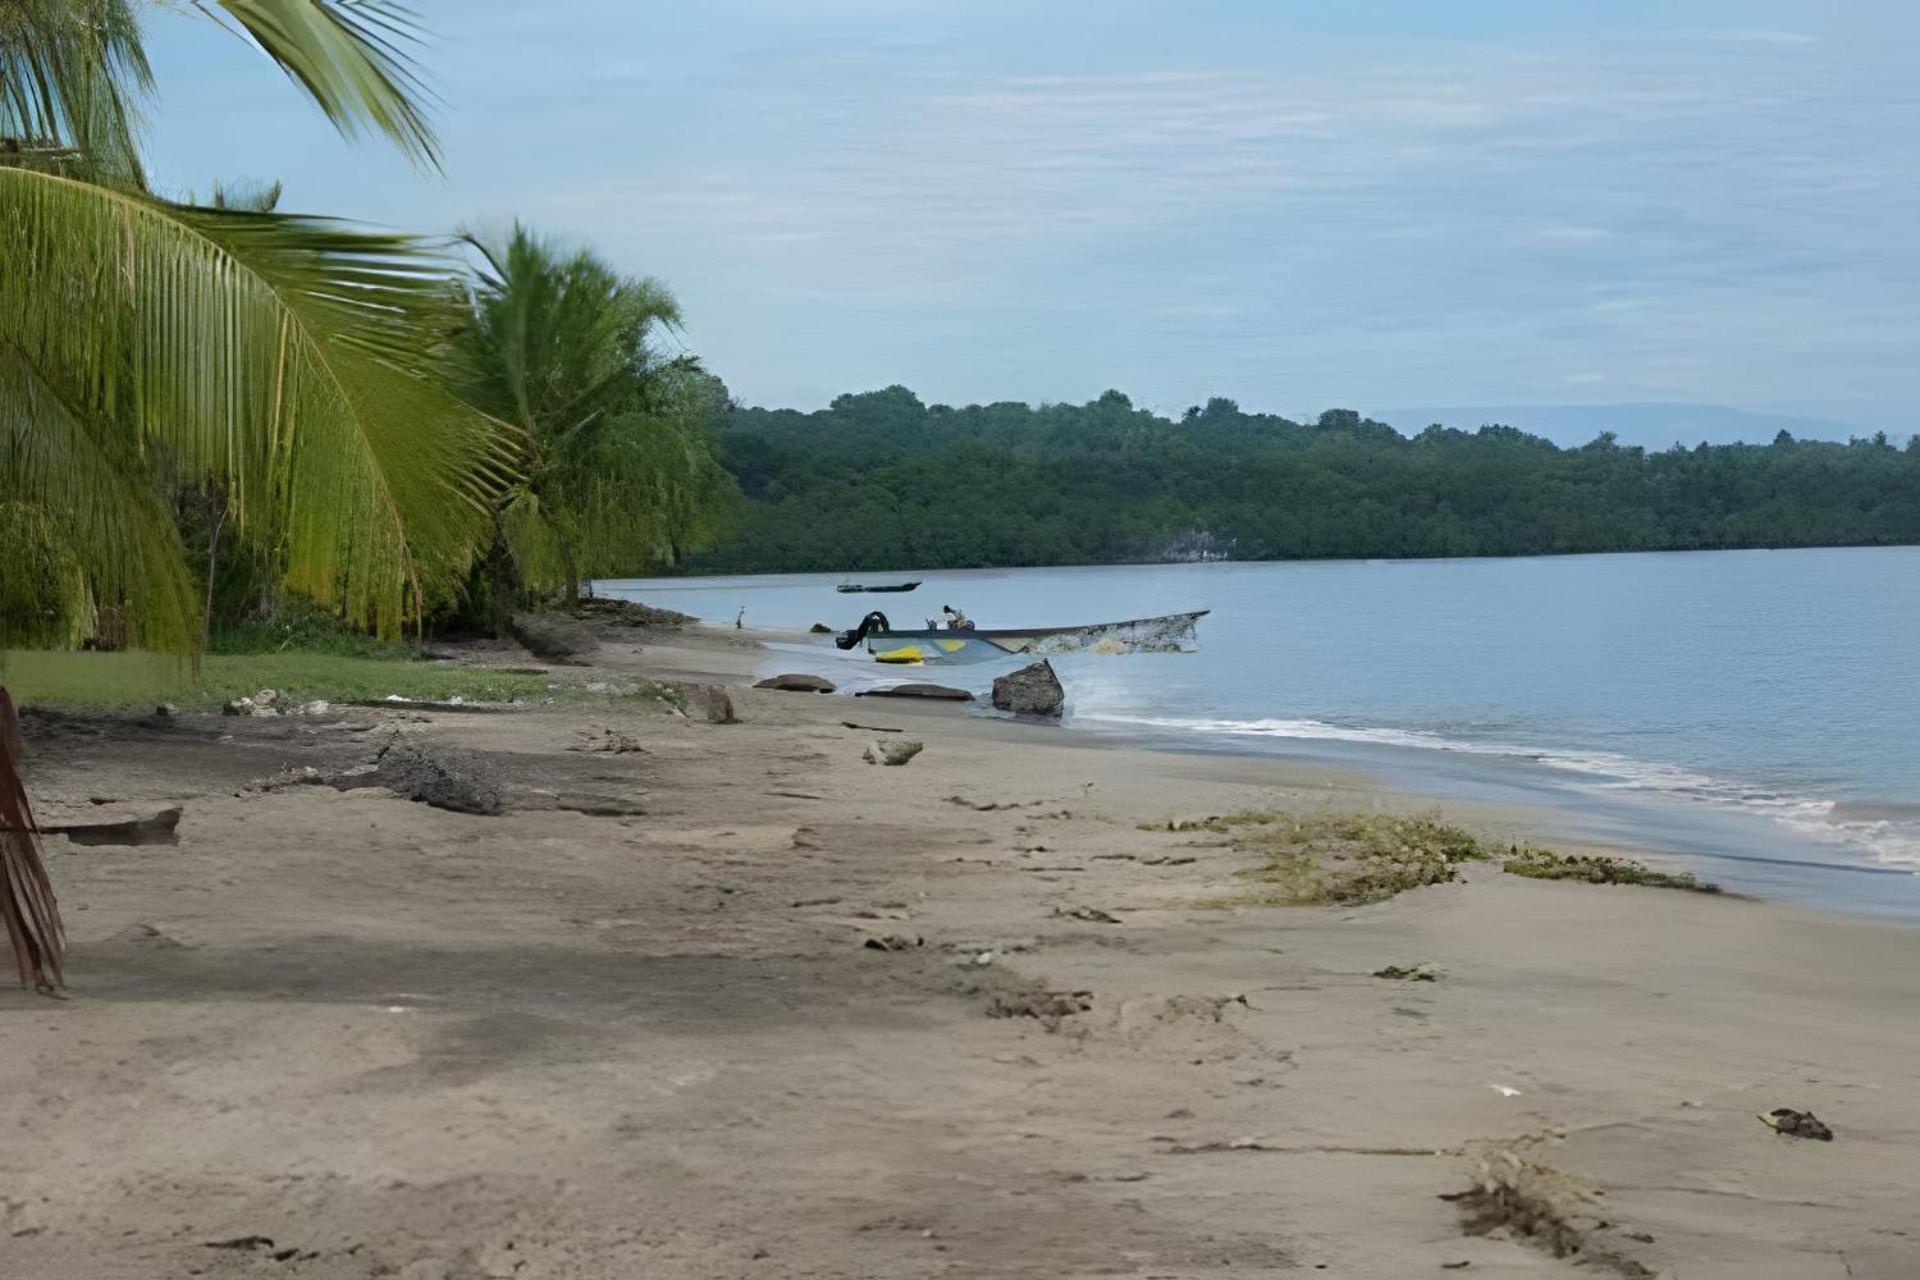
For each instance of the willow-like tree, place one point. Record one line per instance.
(292, 361)
(622, 474)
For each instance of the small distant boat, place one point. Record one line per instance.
(1171, 633)
(848, 587)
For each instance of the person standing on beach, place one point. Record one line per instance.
(740, 619)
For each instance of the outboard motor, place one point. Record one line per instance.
(875, 621)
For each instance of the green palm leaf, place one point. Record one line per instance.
(622, 474)
(350, 57)
(101, 511)
(71, 72)
(288, 358)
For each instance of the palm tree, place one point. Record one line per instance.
(293, 361)
(621, 472)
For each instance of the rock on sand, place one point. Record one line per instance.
(1030, 691)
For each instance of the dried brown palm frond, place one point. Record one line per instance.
(26, 896)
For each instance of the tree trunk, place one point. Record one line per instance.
(213, 566)
(27, 904)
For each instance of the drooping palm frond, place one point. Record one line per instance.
(289, 358)
(352, 58)
(103, 508)
(72, 73)
(651, 486)
(27, 907)
(43, 590)
(539, 538)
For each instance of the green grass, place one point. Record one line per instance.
(96, 680)
(1541, 864)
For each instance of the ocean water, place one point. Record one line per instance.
(1755, 712)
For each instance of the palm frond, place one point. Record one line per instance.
(292, 359)
(352, 57)
(27, 907)
(72, 73)
(104, 512)
(558, 340)
(43, 591)
(537, 539)
(622, 459)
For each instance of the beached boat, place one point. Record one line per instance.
(846, 587)
(1172, 633)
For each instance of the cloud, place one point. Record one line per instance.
(993, 200)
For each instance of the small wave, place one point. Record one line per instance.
(1880, 834)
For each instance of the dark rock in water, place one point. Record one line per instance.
(159, 829)
(551, 637)
(932, 692)
(1030, 691)
(796, 683)
(820, 629)
(445, 778)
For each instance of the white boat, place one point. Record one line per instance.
(1171, 633)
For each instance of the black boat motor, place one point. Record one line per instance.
(875, 621)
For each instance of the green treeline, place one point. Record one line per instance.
(881, 480)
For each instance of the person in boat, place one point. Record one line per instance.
(956, 620)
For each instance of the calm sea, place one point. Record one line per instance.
(1757, 712)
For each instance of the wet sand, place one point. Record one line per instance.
(575, 1040)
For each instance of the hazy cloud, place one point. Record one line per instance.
(997, 200)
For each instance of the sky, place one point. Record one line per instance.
(1296, 204)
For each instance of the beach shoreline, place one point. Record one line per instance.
(1700, 701)
(723, 999)
(1747, 852)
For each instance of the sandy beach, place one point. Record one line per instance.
(714, 1000)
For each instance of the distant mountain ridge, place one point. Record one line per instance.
(1649, 424)
(881, 479)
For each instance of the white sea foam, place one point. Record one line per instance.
(1889, 842)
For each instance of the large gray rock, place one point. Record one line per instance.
(896, 752)
(552, 637)
(631, 613)
(443, 777)
(796, 683)
(1030, 691)
(714, 701)
(933, 692)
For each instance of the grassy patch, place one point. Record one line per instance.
(66, 679)
(1344, 859)
(1542, 864)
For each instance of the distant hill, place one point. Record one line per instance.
(1650, 425)
(881, 479)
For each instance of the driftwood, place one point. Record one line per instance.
(161, 828)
